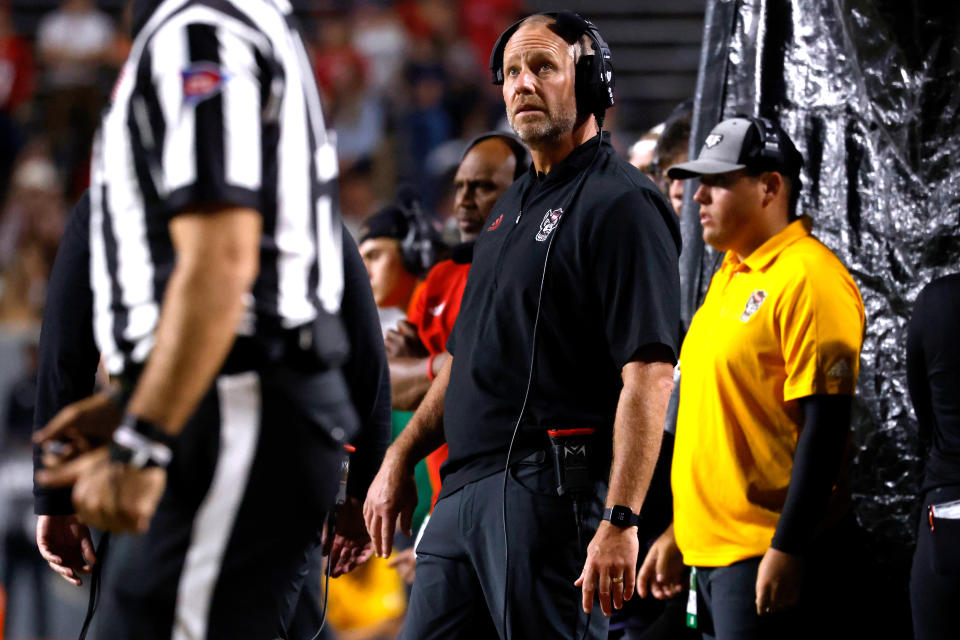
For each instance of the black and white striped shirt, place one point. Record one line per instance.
(216, 103)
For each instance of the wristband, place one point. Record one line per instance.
(141, 444)
(431, 376)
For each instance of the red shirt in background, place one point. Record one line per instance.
(16, 72)
(434, 312)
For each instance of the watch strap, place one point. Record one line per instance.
(621, 516)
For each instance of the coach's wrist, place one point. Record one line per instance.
(399, 455)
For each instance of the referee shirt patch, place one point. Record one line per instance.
(202, 80)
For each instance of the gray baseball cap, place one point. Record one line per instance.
(738, 143)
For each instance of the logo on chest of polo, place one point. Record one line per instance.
(550, 221)
(753, 303)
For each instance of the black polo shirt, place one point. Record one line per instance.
(612, 287)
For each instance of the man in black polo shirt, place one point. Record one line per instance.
(568, 321)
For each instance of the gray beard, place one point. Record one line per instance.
(552, 128)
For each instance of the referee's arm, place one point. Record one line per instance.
(217, 260)
(218, 250)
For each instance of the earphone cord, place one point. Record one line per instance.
(526, 396)
(331, 531)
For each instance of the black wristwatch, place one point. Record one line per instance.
(621, 516)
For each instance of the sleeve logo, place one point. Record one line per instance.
(201, 81)
(550, 221)
(753, 303)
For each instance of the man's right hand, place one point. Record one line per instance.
(391, 499)
(65, 543)
(662, 571)
(404, 342)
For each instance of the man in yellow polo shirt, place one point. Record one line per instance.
(768, 370)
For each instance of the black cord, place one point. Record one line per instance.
(331, 533)
(95, 579)
(526, 394)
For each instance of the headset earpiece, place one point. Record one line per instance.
(418, 249)
(770, 148)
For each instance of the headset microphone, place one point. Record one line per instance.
(419, 247)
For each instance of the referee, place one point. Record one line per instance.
(215, 306)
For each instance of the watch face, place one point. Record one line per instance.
(621, 516)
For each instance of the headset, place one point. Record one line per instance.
(593, 81)
(770, 148)
(418, 248)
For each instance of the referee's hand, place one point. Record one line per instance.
(111, 496)
(78, 428)
(391, 499)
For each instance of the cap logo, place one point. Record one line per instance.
(713, 140)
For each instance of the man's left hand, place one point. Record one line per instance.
(110, 496)
(351, 544)
(612, 554)
(778, 581)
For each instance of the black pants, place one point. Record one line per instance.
(459, 589)
(730, 612)
(253, 474)
(834, 595)
(935, 575)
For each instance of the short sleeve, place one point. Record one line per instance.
(820, 320)
(196, 115)
(634, 266)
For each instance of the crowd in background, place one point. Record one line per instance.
(405, 85)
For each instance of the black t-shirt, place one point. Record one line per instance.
(933, 376)
(611, 288)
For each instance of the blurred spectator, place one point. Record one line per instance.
(642, 151)
(73, 43)
(380, 37)
(22, 564)
(16, 64)
(672, 148)
(16, 88)
(358, 196)
(30, 228)
(426, 125)
(483, 21)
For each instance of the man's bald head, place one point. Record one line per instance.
(486, 171)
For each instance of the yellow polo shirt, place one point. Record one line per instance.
(785, 323)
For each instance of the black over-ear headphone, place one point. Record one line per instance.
(594, 72)
(418, 248)
(770, 148)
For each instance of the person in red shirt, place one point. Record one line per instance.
(490, 164)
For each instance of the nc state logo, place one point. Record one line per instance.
(753, 303)
(550, 221)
